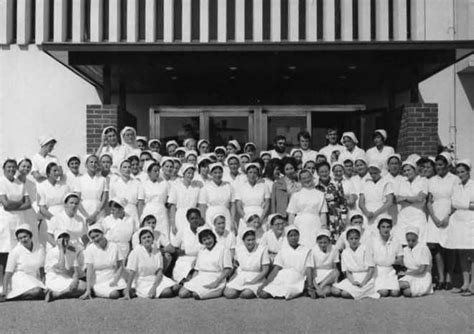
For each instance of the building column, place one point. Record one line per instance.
(98, 117)
(418, 130)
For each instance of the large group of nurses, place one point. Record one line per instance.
(142, 219)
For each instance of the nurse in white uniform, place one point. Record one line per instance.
(14, 201)
(253, 266)
(128, 189)
(387, 252)
(69, 221)
(104, 262)
(380, 152)
(128, 135)
(357, 262)
(43, 158)
(24, 274)
(274, 239)
(394, 168)
(440, 191)
(50, 198)
(217, 197)
(119, 226)
(411, 196)
(183, 195)
(307, 210)
(213, 266)
(92, 190)
(351, 150)
(62, 270)
(252, 197)
(323, 263)
(145, 270)
(417, 280)
(375, 198)
(154, 195)
(73, 162)
(460, 233)
(203, 176)
(110, 145)
(185, 244)
(288, 276)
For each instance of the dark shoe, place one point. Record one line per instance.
(457, 290)
(467, 293)
(448, 286)
(438, 286)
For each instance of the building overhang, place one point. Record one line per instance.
(353, 67)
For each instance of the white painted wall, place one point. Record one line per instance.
(39, 96)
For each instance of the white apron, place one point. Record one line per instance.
(288, 283)
(103, 278)
(308, 224)
(367, 291)
(143, 285)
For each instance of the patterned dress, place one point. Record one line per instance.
(337, 207)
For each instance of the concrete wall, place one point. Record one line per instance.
(38, 96)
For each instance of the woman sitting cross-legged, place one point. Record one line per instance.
(145, 266)
(213, 266)
(287, 278)
(357, 262)
(417, 258)
(104, 262)
(24, 273)
(253, 266)
(62, 270)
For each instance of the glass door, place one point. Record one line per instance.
(175, 124)
(233, 123)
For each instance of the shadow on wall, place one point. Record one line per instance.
(467, 80)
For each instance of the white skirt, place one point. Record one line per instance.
(435, 234)
(460, 231)
(102, 287)
(308, 224)
(8, 225)
(143, 285)
(386, 278)
(184, 264)
(180, 219)
(241, 281)
(57, 282)
(23, 282)
(161, 213)
(288, 284)
(367, 291)
(196, 284)
(419, 285)
(321, 275)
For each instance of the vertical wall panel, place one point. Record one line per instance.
(150, 21)
(60, 16)
(168, 22)
(381, 20)
(240, 20)
(275, 18)
(311, 18)
(363, 17)
(6, 21)
(204, 21)
(347, 32)
(418, 24)
(257, 20)
(186, 21)
(400, 20)
(23, 25)
(293, 20)
(132, 20)
(221, 20)
(96, 19)
(78, 22)
(41, 21)
(114, 20)
(329, 21)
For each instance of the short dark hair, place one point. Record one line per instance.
(9, 161)
(50, 166)
(279, 137)
(270, 168)
(385, 220)
(322, 164)
(191, 211)
(304, 135)
(247, 233)
(133, 157)
(207, 233)
(288, 160)
(352, 231)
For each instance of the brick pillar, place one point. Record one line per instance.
(98, 117)
(418, 130)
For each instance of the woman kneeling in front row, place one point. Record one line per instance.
(145, 266)
(213, 266)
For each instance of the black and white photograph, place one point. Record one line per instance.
(237, 166)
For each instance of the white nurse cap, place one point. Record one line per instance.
(381, 132)
(290, 228)
(184, 168)
(412, 229)
(219, 148)
(252, 164)
(171, 142)
(45, 139)
(232, 156)
(262, 153)
(351, 135)
(154, 141)
(247, 230)
(202, 141)
(95, 227)
(234, 143)
(323, 233)
(59, 233)
(464, 162)
(214, 166)
(119, 200)
(192, 152)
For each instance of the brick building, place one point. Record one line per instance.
(241, 69)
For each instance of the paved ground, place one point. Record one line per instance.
(441, 313)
